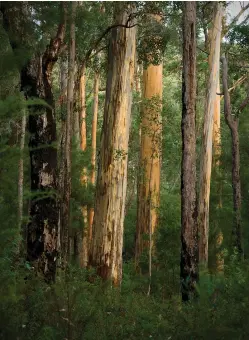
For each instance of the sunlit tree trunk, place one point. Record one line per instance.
(216, 126)
(83, 237)
(93, 156)
(150, 158)
(233, 124)
(107, 234)
(206, 152)
(216, 167)
(189, 234)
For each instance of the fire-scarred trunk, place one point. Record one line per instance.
(42, 233)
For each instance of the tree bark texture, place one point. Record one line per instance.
(150, 158)
(94, 144)
(189, 233)
(42, 233)
(84, 234)
(233, 123)
(206, 153)
(61, 160)
(21, 173)
(107, 237)
(66, 195)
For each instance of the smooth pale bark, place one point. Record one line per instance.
(206, 152)
(83, 253)
(93, 155)
(139, 72)
(107, 234)
(216, 167)
(189, 234)
(150, 159)
(233, 124)
(65, 243)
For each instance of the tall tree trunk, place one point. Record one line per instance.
(216, 168)
(216, 126)
(107, 241)
(42, 232)
(150, 158)
(94, 140)
(233, 123)
(61, 160)
(206, 153)
(84, 246)
(76, 113)
(66, 221)
(189, 234)
(21, 174)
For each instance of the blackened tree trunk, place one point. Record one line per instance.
(189, 236)
(233, 123)
(42, 233)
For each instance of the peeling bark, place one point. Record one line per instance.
(107, 237)
(206, 153)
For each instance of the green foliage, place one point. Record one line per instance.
(80, 306)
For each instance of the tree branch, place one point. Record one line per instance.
(97, 42)
(243, 9)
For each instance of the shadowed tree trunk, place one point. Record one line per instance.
(206, 152)
(107, 237)
(66, 195)
(189, 235)
(61, 152)
(233, 123)
(42, 233)
(21, 174)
